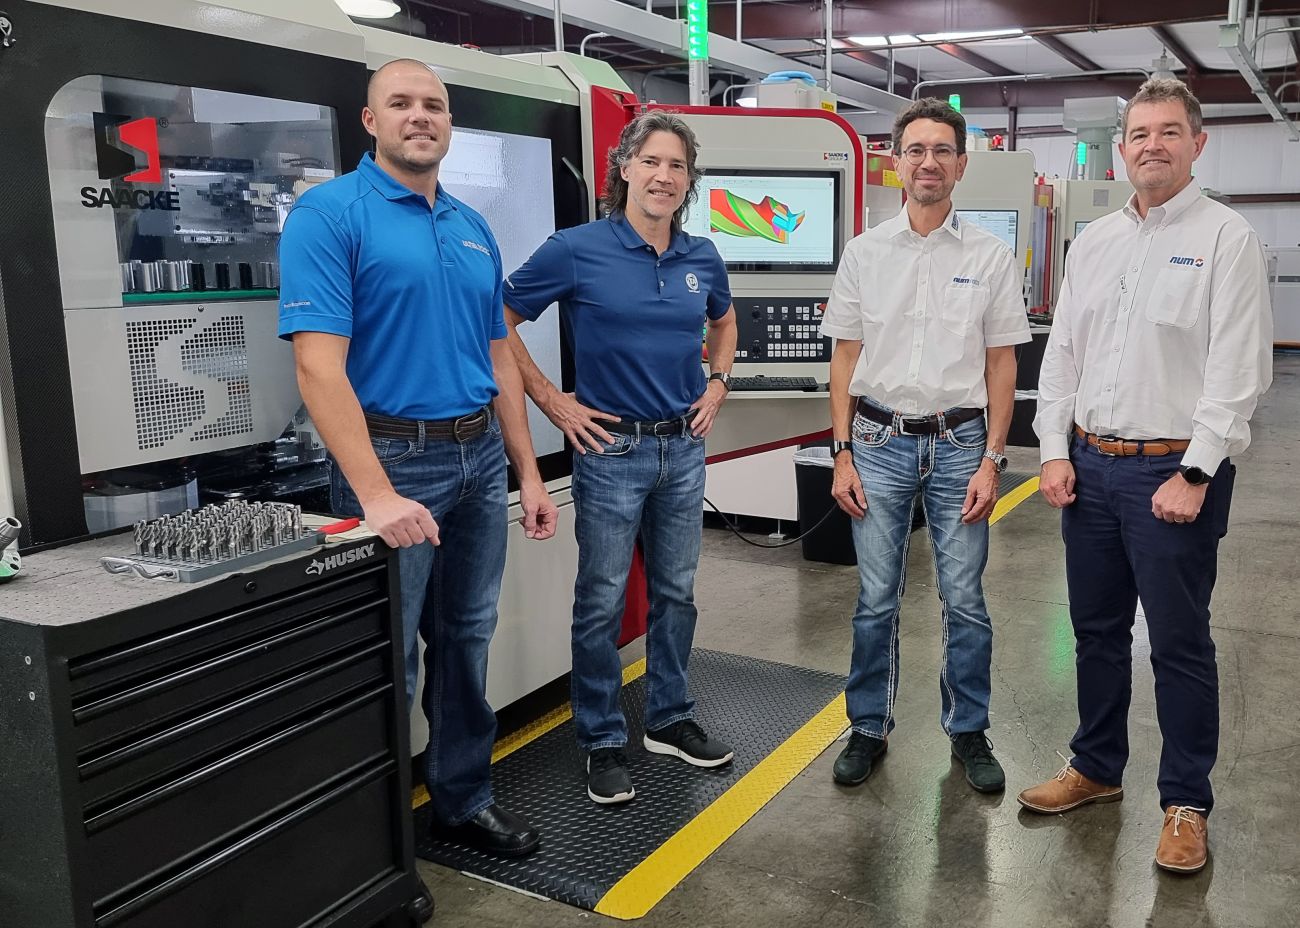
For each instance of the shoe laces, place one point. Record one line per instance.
(859, 744)
(692, 732)
(1186, 814)
(1066, 770)
(977, 746)
(607, 759)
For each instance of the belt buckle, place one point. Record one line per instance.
(665, 427)
(1112, 440)
(468, 422)
(902, 426)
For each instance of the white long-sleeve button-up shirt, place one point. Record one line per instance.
(926, 309)
(1163, 330)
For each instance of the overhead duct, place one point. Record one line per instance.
(1232, 39)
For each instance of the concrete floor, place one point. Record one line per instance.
(914, 845)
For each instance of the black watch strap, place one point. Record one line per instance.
(1194, 475)
(838, 446)
(722, 377)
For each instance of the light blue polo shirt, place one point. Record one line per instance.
(634, 317)
(416, 289)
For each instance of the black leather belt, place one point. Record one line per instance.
(466, 428)
(919, 425)
(645, 427)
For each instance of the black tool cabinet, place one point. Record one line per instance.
(228, 754)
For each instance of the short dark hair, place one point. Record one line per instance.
(635, 134)
(1161, 89)
(930, 108)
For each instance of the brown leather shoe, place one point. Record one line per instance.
(1068, 790)
(1182, 847)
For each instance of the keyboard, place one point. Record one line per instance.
(759, 382)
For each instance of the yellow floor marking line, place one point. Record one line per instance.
(1014, 499)
(532, 731)
(642, 888)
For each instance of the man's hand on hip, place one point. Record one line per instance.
(579, 423)
(981, 494)
(1178, 501)
(399, 521)
(1056, 483)
(540, 514)
(847, 487)
(706, 408)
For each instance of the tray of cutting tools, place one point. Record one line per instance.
(217, 539)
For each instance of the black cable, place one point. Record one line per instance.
(757, 544)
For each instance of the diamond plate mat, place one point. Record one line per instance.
(753, 705)
(1010, 480)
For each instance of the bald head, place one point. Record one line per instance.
(391, 72)
(408, 113)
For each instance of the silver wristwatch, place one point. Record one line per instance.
(999, 460)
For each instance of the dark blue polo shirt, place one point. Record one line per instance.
(416, 289)
(634, 318)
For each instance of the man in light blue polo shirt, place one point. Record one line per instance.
(391, 293)
(635, 292)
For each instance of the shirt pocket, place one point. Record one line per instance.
(962, 308)
(1177, 297)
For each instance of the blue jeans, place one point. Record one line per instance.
(1115, 551)
(450, 601)
(894, 469)
(653, 486)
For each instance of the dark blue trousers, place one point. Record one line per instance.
(1115, 552)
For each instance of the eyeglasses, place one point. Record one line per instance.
(943, 154)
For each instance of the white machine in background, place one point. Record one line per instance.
(1077, 203)
(1284, 289)
(997, 194)
(780, 197)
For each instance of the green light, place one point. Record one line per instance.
(1081, 153)
(954, 100)
(697, 30)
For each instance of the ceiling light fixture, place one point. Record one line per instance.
(869, 41)
(902, 40)
(962, 36)
(369, 9)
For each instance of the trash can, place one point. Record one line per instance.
(832, 541)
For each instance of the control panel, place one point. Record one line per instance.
(781, 329)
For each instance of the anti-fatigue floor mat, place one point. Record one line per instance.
(758, 707)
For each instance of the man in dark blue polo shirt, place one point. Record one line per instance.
(391, 293)
(635, 292)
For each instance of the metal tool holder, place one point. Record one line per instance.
(217, 539)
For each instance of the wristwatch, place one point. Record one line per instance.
(838, 446)
(999, 460)
(1194, 475)
(722, 377)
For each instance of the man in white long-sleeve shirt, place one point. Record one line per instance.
(1160, 349)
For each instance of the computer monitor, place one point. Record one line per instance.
(1000, 222)
(1078, 226)
(770, 222)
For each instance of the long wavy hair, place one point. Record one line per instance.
(635, 134)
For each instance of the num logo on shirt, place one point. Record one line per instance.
(476, 246)
(967, 281)
(1190, 262)
(692, 283)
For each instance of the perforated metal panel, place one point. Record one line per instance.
(163, 408)
(221, 353)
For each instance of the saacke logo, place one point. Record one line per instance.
(350, 556)
(115, 161)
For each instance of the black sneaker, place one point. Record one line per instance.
(608, 782)
(983, 771)
(856, 761)
(687, 740)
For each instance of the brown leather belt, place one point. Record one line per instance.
(465, 428)
(1122, 448)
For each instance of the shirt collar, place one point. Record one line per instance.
(1170, 210)
(901, 224)
(392, 189)
(633, 241)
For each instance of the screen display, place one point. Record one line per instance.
(508, 179)
(1078, 226)
(1000, 222)
(763, 221)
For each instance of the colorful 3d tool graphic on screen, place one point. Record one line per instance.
(769, 219)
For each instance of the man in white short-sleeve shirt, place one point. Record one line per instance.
(926, 310)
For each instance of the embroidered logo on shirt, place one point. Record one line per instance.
(692, 283)
(476, 246)
(1193, 262)
(295, 304)
(967, 281)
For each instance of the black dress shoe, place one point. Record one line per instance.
(493, 831)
